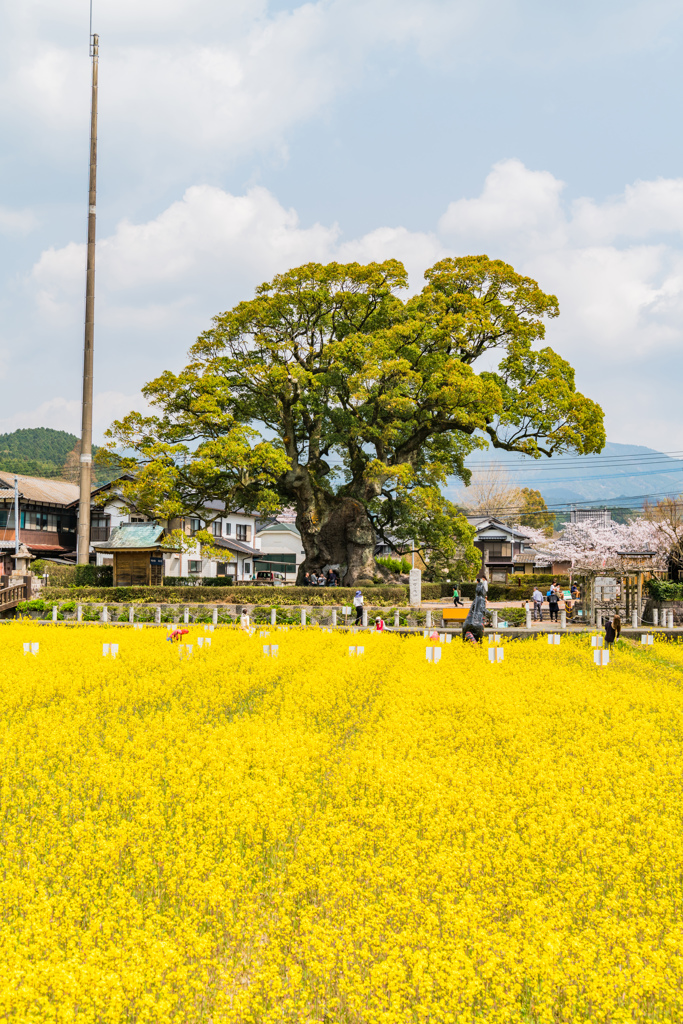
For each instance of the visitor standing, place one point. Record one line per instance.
(358, 604)
(537, 598)
(244, 620)
(553, 603)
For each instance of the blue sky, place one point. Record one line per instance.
(239, 138)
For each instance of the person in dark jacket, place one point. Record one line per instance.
(612, 630)
(553, 603)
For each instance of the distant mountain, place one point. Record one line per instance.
(40, 451)
(621, 472)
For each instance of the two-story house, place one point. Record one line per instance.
(503, 548)
(233, 535)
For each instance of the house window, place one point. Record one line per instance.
(500, 550)
(99, 528)
(137, 519)
(241, 532)
(228, 529)
(216, 527)
(195, 566)
(247, 568)
(195, 526)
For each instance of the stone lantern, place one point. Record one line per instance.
(22, 561)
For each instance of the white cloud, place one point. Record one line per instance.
(620, 285)
(65, 413)
(16, 222)
(189, 85)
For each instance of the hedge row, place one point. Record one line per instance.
(499, 592)
(537, 579)
(230, 595)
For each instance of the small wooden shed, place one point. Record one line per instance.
(138, 554)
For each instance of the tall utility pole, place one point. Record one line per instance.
(16, 518)
(86, 420)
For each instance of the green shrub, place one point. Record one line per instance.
(397, 565)
(199, 581)
(521, 580)
(67, 606)
(513, 616)
(93, 576)
(664, 590)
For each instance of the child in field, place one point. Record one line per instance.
(176, 634)
(244, 619)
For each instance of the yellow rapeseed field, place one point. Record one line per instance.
(227, 837)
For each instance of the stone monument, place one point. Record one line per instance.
(415, 587)
(474, 623)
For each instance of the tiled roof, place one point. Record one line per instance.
(39, 489)
(133, 536)
(279, 528)
(236, 545)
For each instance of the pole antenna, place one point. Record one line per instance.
(83, 551)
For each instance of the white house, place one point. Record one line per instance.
(281, 550)
(234, 534)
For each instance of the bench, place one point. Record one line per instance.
(454, 614)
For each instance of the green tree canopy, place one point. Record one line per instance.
(535, 511)
(371, 397)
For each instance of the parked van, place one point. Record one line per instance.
(269, 579)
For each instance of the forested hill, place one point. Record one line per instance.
(41, 451)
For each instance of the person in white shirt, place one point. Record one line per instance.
(358, 603)
(244, 619)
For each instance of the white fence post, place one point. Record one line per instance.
(157, 614)
(186, 616)
(131, 613)
(563, 618)
(365, 617)
(303, 616)
(528, 617)
(494, 618)
(397, 620)
(79, 613)
(671, 618)
(55, 611)
(214, 616)
(428, 619)
(634, 619)
(334, 616)
(105, 613)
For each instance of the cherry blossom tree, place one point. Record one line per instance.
(592, 550)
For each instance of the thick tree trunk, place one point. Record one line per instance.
(335, 530)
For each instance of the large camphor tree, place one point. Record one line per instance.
(373, 399)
